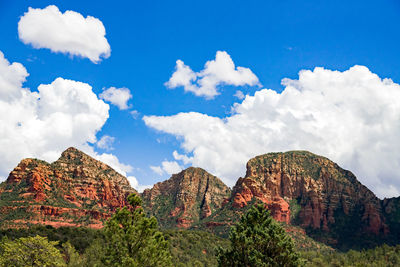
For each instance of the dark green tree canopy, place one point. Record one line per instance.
(257, 240)
(132, 239)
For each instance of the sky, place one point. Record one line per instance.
(153, 87)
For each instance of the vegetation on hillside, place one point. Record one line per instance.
(30, 251)
(88, 247)
(258, 240)
(132, 239)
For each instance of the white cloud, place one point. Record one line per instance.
(67, 32)
(42, 124)
(109, 159)
(12, 76)
(351, 117)
(135, 114)
(167, 167)
(117, 96)
(171, 167)
(221, 71)
(106, 142)
(239, 94)
(185, 159)
(135, 184)
(157, 169)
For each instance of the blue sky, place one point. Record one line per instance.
(275, 39)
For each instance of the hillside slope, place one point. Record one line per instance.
(310, 191)
(75, 190)
(185, 198)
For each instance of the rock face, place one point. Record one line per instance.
(310, 191)
(391, 210)
(75, 190)
(322, 189)
(186, 198)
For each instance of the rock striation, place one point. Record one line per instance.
(75, 190)
(322, 189)
(310, 191)
(185, 198)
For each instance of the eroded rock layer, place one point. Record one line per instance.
(75, 190)
(186, 198)
(310, 191)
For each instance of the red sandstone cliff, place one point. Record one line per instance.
(75, 190)
(307, 190)
(185, 198)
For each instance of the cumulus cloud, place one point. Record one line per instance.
(12, 76)
(68, 33)
(239, 94)
(184, 158)
(42, 124)
(107, 158)
(106, 142)
(157, 169)
(135, 184)
(167, 167)
(351, 117)
(117, 96)
(221, 71)
(171, 167)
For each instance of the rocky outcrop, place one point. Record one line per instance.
(75, 190)
(320, 188)
(306, 190)
(185, 198)
(391, 211)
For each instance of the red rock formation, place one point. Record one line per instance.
(185, 198)
(74, 187)
(316, 184)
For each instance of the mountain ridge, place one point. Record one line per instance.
(309, 194)
(75, 190)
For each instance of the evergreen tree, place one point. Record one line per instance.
(30, 251)
(257, 240)
(132, 239)
(71, 256)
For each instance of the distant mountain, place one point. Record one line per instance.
(314, 199)
(75, 190)
(185, 198)
(312, 192)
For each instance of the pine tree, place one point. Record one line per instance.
(257, 240)
(132, 239)
(30, 251)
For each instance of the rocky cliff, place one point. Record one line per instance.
(184, 199)
(311, 195)
(310, 191)
(391, 211)
(75, 190)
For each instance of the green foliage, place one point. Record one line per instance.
(93, 254)
(161, 209)
(294, 210)
(377, 257)
(30, 251)
(257, 240)
(132, 239)
(79, 237)
(71, 256)
(194, 248)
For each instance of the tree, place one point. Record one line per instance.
(93, 254)
(132, 239)
(71, 256)
(257, 240)
(30, 251)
